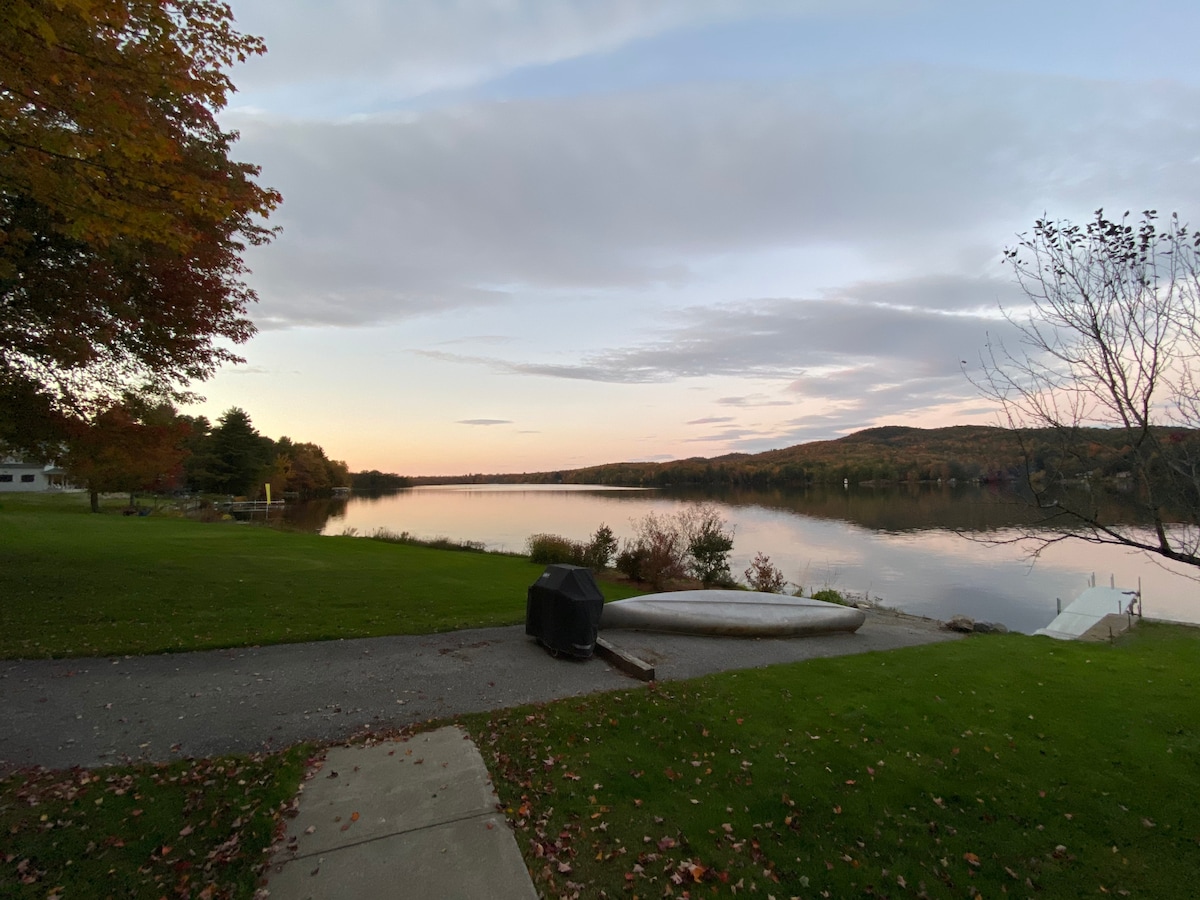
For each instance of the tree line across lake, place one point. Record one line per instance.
(158, 449)
(884, 455)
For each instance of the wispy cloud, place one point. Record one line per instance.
(484, 422)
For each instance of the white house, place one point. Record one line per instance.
(16, 475)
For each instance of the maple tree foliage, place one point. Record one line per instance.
(122, 216)
(127, 447)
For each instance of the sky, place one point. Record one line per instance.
(528, 235)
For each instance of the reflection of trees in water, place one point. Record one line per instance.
(898, 508)
(313, 515)
(893, 508)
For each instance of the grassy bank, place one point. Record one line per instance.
(197, 828)
(999, 766)
(78, 584)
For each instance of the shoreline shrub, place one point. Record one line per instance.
(695, 541)
(552, 549)
(600, 550)
(708, 544)
(829, 595)
(763, 575)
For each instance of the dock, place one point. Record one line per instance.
(1099, 613)
(253, 506)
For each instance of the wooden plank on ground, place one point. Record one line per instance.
(625, 661)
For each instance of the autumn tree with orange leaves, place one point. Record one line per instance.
(123, 217)
(128, 447)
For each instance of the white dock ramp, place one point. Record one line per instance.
(1089, 610)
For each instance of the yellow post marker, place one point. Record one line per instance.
(268, 493)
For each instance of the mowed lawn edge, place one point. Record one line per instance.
(995, 766)
(80, 584)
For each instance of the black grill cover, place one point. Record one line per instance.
(562, 610)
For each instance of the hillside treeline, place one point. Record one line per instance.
(885, 455)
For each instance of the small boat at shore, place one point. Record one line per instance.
(737, 613)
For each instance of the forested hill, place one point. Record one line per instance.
(885, 454)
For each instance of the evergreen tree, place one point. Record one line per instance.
(238, 454)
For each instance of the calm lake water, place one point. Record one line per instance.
(928, 549)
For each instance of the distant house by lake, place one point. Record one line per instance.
(17, 475)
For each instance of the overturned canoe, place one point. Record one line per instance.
(743, 613)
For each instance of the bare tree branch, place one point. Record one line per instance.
(1110, 339)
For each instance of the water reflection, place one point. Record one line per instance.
(314, 515)
(911, 507)
(899, 545)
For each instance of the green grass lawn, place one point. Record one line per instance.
(198, 828)
(76, 584)
(997, 766)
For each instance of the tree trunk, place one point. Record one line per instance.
(95, 497)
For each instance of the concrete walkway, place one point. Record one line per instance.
(397, 819)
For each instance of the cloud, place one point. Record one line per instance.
(864, 360)
(935, 291)
(752, 400)
(394, 216)
(841, 364)
(731, 435)
(484, 422)
(372, 53)
(478, 339)
(252, 370)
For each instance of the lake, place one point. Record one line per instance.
(931, 550)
